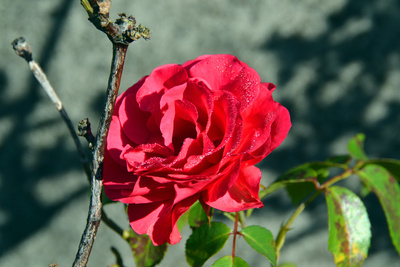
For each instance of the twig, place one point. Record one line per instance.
(24, 50)
(118, 258)
(121, 33)
(110, 223)
(94, 216)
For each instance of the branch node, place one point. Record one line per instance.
(85, 131)
(22, 48)
(123, 31)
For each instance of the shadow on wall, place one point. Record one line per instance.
(26, 215)
(351, 75)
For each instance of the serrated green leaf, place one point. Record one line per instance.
(143, 250)
(227, 261)
(315, 165)
(205, 241)
(356, 147)
(295, 176)
(349, 227)
(392, 165)
(343, 159)
(300, 181)
(197, 215)
(382, 183)
(299, 192)
(261, 240)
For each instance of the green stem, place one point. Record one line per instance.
(110, 223)
(242, 219)
(235, 234)
(86, 5)
(338, 178)
(118, 258)
(280, 239)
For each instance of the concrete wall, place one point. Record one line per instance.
(336, 65)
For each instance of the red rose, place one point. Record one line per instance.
(191, 132)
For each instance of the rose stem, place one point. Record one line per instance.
(120, 33)
(85, 131)
(95, 208)
(235, 234)
(24, 50)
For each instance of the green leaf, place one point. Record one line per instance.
(386, 188)
(343, 159)
(294, 176)
(301, 180)
(227, 261)
(349, 227)
(356, 147)
(143, 250)
(261, 240)
(205, 241)
(197, 215)
(183, 220)
(287, 264)
(392, 165)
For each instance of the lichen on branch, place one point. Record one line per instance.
(123, 31)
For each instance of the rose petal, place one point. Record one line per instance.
(258, 121)
(278, 132)
(171, 95)
(158, 220)
(223, 181)
(242, 195)
(116, 140)
(198, 93)
(116, 178)
(133, 120)
(179, 123)
(143, 192)
(223, 119)
(190, 188)
(161, 78)
(142, 217)
(226, 72)
(145, 157)
(189, 147)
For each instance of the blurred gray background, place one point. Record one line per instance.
(336, 65)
